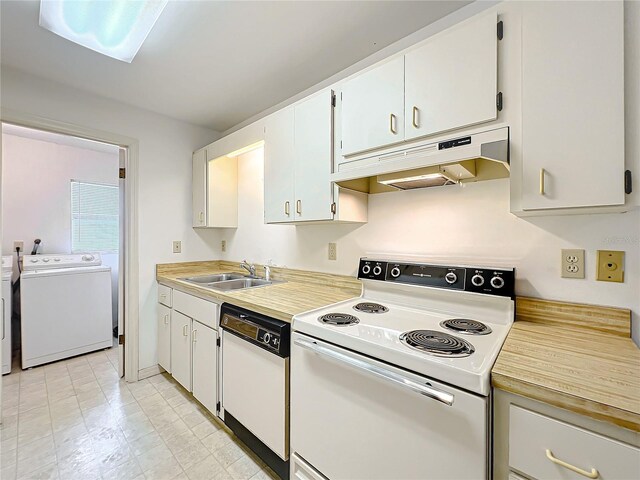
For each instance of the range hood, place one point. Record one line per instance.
(481, 155)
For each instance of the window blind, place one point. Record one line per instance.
(94, 217)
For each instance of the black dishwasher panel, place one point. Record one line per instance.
(265, 332)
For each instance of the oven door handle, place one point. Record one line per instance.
(388, 375)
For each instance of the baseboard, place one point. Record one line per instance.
(149, 372)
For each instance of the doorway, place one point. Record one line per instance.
(68, 195)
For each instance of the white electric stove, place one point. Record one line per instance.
(397, 381)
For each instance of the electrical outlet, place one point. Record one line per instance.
(333, 251)
(177, 246)
(572, 263)
(223, 245)
(610, 266)
(18, 244)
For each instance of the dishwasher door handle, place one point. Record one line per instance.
(378, 371)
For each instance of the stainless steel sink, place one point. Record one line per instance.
(229, 281)
(218, 277)
(240, 284)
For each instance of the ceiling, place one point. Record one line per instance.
(215, 63)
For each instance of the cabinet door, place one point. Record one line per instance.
(205, 365)
(164, 337)
(279, 159)
(572, 104)
(314, 157)
(199, 186)
(373, 108)
(181, 349)
(451, 82)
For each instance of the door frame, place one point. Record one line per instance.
(131, 270)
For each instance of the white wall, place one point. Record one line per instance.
(36, 194)
(165, 147)
(469, 224)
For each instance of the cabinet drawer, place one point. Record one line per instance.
(164, 295)
(533, 438)
(201, 310)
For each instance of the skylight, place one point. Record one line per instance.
(116, 28)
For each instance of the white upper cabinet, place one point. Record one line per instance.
(451, 81)
(373, 108)
(199, 186)
(313, 139)
(572, 104)
(279, 162)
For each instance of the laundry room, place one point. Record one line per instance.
(60, 213)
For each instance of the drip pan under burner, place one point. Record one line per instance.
(437, 343)
(338, 319)
(370, 307)
(466, 326)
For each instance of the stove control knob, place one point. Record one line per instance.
(497, 282)
(56, 259)
(477, 280)
(88, 258)
(366, 269)
(395, 272)
(45, 260)
(266, 338)
(34, 260)
(377, 270)
(451, 278)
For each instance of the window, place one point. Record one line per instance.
(94, 217)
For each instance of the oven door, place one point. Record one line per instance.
(353, 417)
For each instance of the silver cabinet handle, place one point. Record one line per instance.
(592, 474)
(543, 172)
(393, 377)
(163, 296)
(184, 330)
(299, 207)
(201, 217)
(194, 336)
(392, 124)
(286, 208)
(414, 118)
(166, 319)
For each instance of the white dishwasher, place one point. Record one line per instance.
(255, 383)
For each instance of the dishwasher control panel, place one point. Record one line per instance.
(268, 333)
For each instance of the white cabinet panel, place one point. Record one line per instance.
(373, 108)
(205, 365)
(313, 134)
(572, 104)
(199, 186)
(534, 437)
(164, 337)
(279, 161)
(181, 349)
(197, 308)
(164, 295)
(451, 82)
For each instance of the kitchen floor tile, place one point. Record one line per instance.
(76, 419)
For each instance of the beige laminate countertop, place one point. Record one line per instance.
(577, 357)
(301, 291)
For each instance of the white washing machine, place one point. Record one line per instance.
(65, 303)
(7, 271)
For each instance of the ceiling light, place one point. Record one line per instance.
(116, 28)
(246, 149)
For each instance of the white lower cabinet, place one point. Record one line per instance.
(181, 349)
(541, 447)
(164, 337)
(188, 343)
(204, 356)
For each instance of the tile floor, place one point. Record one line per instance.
(75, 419)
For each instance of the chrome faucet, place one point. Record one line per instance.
(249, 267)
(267, 272)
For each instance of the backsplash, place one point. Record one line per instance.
(452, 224)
